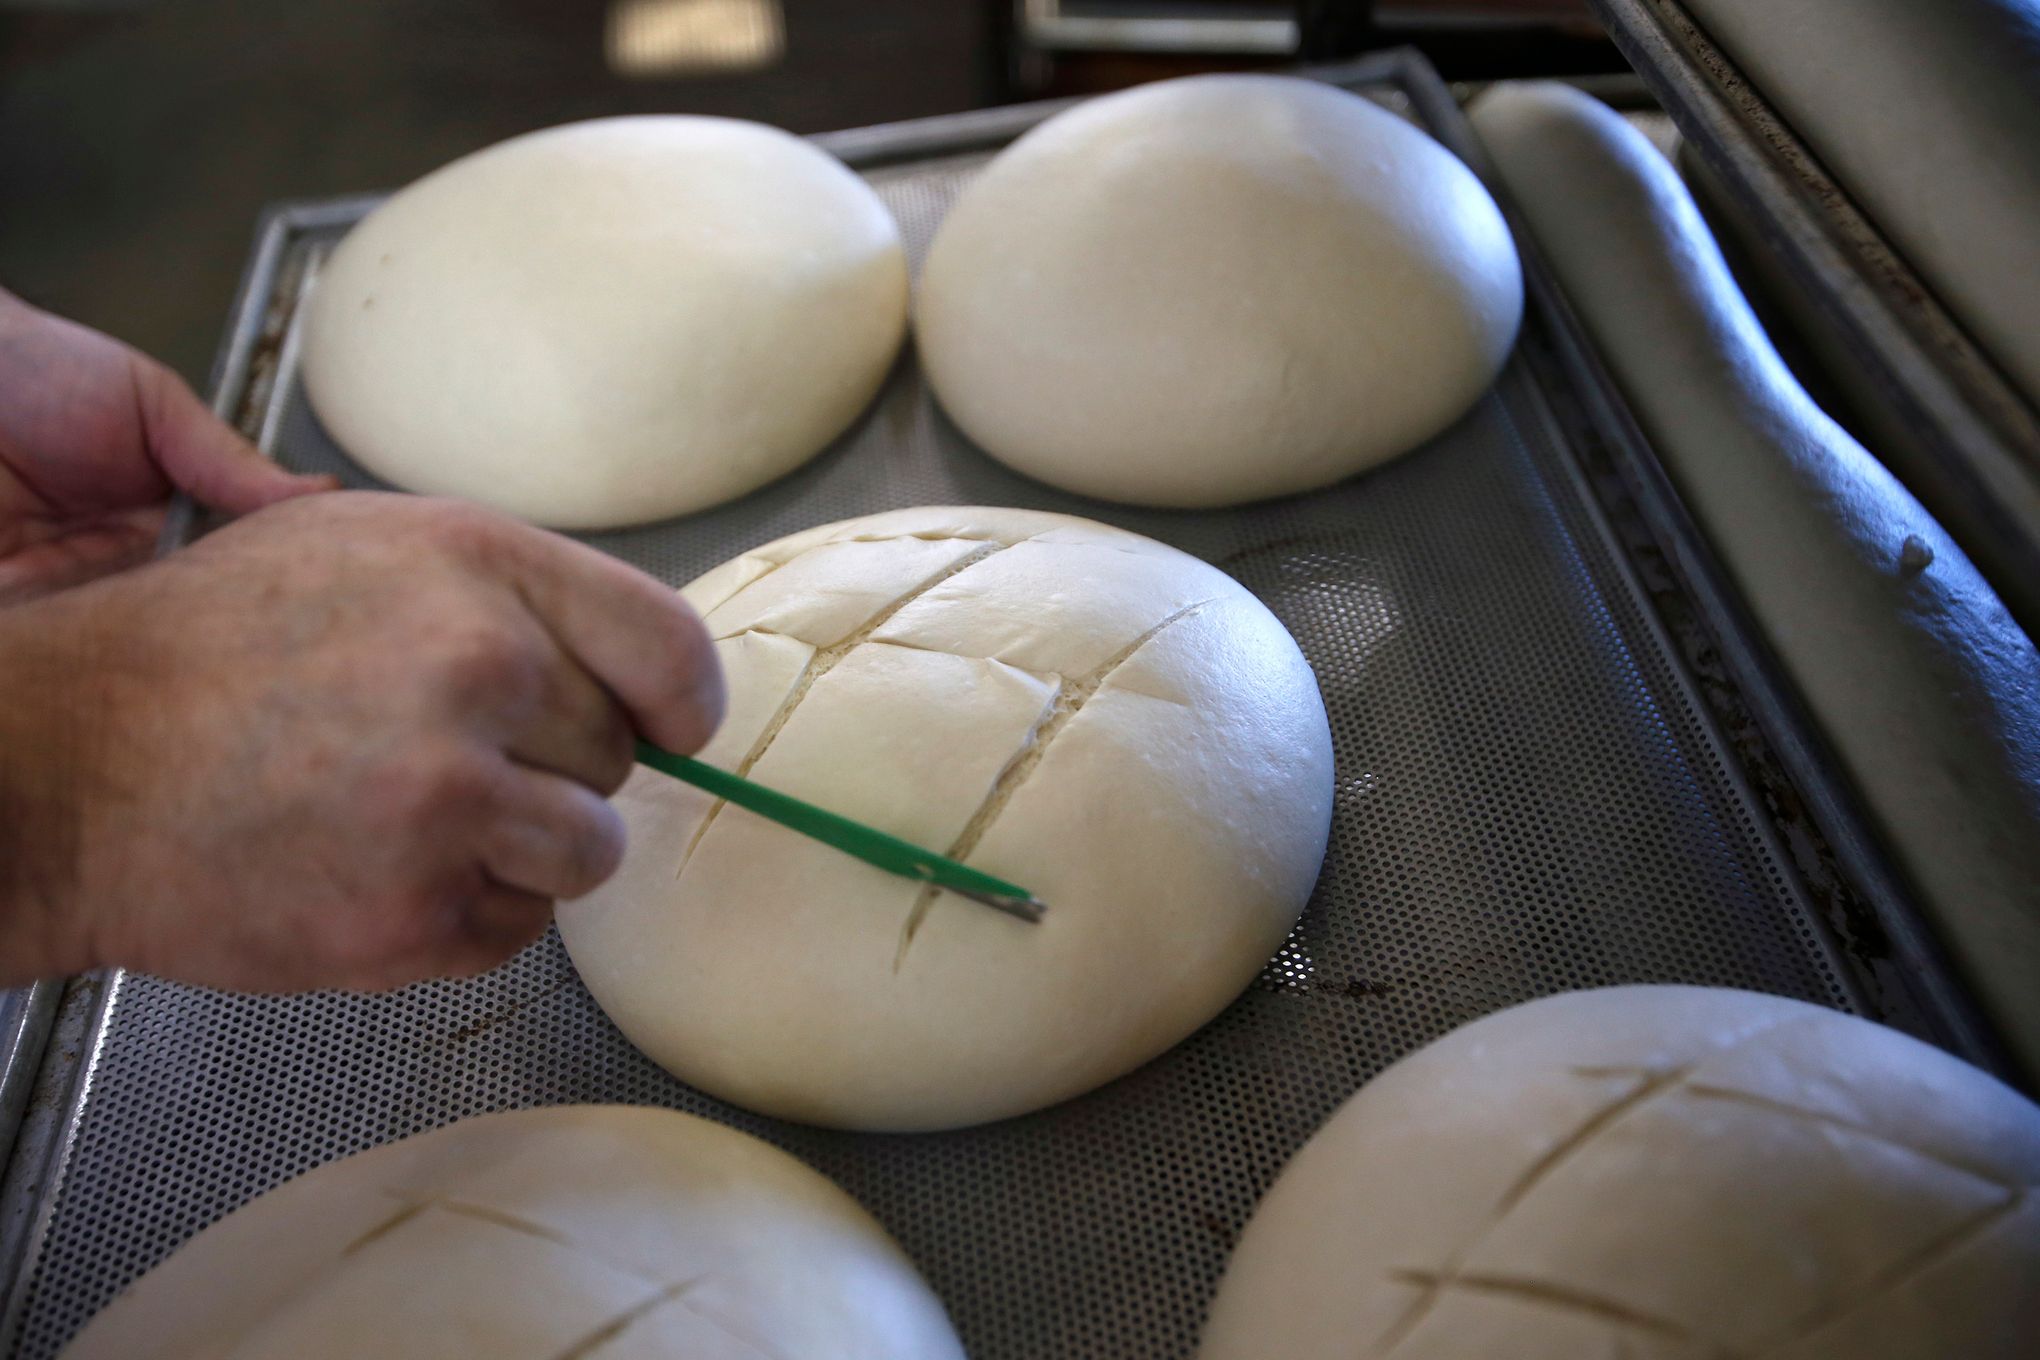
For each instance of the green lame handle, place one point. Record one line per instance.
(853, 838)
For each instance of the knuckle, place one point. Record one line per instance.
(418, 791)
(520, 936)
(488, 664)
(587, 731)
(495, 929)
(461, 527)
(615, 754)
(401, 933)
(439, 935)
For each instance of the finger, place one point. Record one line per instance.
(72, 557)
(576, 729)
(201, 455)
(549, 835)
(498, 922)
(638, 638)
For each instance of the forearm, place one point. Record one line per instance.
(50, 690)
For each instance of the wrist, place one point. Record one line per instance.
(51, 693)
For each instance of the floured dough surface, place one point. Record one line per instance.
(573, 1232)
(1214, 290)
(1661, 1173)
(608, 322)
(1106, 721)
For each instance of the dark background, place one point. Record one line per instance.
(139, 139)
(136, 148)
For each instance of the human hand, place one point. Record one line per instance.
(353, 740)
(94, 437)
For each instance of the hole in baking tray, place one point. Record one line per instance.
(1291, 968)
(681, 37)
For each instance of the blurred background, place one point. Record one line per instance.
(140, 138)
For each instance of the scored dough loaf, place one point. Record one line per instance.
(632, 1234)
(1652, 1173)
(608, 322)
(1214, 290)
(1110, 723)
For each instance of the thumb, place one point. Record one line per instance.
(201, 455)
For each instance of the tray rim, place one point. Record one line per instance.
(80, 1008)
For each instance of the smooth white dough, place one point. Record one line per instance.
(1113, 724)
(1925, 686)
(608, 322)
(1657, 1173)
(1214, 290)
(625, 1232)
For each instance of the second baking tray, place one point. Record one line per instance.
(1532, 796)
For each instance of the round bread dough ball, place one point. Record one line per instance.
(1214, 290)
(1108, 722)
(608, 322)
(1659, 1173)
(538, 1235)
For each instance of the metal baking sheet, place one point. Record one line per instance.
(1543, 784)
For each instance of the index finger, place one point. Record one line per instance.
(200, 454)
(637, 637)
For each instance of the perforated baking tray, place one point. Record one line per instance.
(1558, 766)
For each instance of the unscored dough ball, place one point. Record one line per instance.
(585, 1231)
(608, 322)
(1653, 1173)
(1103, 720)
(1214, 290)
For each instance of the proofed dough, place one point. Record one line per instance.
(1106, 721)
(584, 1231)
(1924, 684)
(1652, 1173)
(608, 322)
(1214, 290)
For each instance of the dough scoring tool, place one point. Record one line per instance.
(874, 847)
